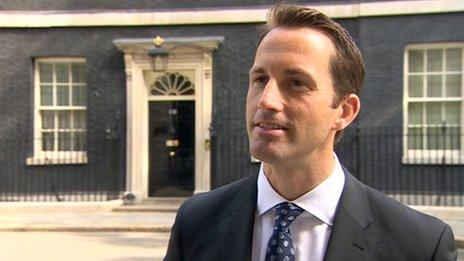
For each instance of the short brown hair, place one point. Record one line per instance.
(346, 66)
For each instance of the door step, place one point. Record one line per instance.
(153, 205)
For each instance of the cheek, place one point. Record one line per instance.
(251, 100)
(310, 118)
(250, 108)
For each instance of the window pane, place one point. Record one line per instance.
(48, 121)
(78, 72)
(434, 86)
(415, 113)
(62, 72)
(434, 60)
(435, 138)
(79, 95)
(62, 95)
(443, 139)
(79, 141)
(416, 61)
(415, 84)
(45, 72)
(62, 130)
(64, 141)
(453, 85)
(415, 136)
(433, 111)
(47, 141)
(79, 120)
(46, 95)
(453, 59)
(64, 120)
(453, 112)
(453, 136)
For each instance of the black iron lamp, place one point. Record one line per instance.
(158, 55)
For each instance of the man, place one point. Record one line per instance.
(303, 205)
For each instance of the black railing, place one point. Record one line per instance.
(427, 173)
(66, 171)
(414, 168)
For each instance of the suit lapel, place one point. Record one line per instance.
(237, 228)
(348, 239)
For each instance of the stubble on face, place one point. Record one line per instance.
(290, 93)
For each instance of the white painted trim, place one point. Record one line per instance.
(435, 99)
(174, 45)
(438, 45)
(40, 157)
(452, 157)
(171, 98)
(35, 19)
(185, 54)
(436, 160)
(37, 122)
(76, 158)
(60, 59)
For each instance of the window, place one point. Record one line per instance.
(60, 111)
(433, 100)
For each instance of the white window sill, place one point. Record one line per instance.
(42, 160)
(432, 160)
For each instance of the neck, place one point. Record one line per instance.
(292, 181)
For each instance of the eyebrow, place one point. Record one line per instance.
(310, 79)
(258, 69)
(307, 76)
(255, 69)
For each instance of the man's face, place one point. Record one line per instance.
(289, 103)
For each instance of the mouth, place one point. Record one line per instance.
(269, 129)
(270, 126)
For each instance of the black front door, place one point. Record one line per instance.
(172, 148)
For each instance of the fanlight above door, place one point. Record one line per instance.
(172, 84)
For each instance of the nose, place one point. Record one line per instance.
(271, 97)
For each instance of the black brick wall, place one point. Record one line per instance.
(142, 4)
(381, 39)
(106, 88)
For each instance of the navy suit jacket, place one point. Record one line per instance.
(218, 225)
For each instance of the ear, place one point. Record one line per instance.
(349, 108)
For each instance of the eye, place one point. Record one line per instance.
(295, 83)
(259, 80)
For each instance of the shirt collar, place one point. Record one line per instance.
(321, 202)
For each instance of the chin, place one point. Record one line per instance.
(264, 154)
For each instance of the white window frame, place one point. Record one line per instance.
(41, 157)
(429, 156)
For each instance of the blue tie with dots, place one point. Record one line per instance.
(280, 246)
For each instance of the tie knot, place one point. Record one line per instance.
(286, 212)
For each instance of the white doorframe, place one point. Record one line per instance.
(186, 54)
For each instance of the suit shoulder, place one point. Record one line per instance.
(215, 199)
(388, 209)
(407, 234)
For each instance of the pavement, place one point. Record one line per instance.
(78, 246)
(113, 216)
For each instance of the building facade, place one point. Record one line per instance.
(83, 113)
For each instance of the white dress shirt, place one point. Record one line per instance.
(311, 229)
